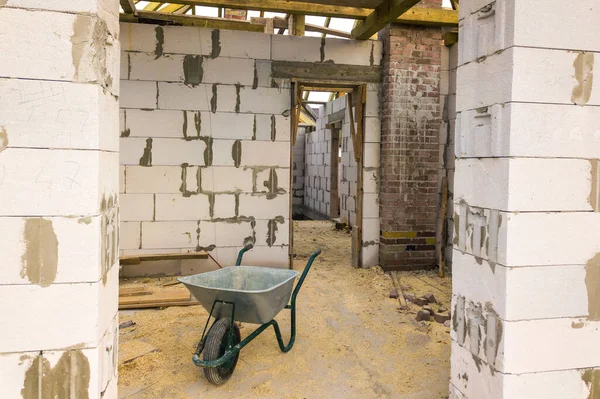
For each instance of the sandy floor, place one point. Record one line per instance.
(352, 341)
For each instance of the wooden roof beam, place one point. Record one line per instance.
(386, 12)
(128, 6)
(415, 16)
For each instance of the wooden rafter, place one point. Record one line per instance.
(172, 8)
(385, 13)
(191, 20)
(183, 10)
(128, 6)
(326, 25)
(418, 16)
(153, 6)
(327, 31)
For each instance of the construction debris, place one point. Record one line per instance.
(132, 350)
(127, 324)
(423, 315)
(394, 293)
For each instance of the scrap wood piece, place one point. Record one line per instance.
(401, 299)
(136, 259)
(131, 350)
(134, 291)
(156, 299)
(189, 302)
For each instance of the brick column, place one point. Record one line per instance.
(58, 198)
(410, 169)
(526, 263)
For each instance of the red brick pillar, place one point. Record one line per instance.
(410, 170)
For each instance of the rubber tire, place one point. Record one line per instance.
(216, 343)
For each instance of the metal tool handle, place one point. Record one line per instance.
(247, 248)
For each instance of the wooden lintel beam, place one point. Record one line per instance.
(191, 20)
(386, 12)
(128, 6)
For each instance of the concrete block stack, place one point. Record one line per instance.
(58, 198)
(298, 166)
(526, 262)
(318, 167)
(205, 138)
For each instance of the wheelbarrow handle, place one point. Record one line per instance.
(247, 248)
(304, 273)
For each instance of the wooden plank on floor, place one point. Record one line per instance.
(156, 299)
(401, 299)
(136, 259)
(133, 291)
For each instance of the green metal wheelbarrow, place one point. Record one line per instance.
(245, 294)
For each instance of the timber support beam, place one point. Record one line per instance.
(386, 12)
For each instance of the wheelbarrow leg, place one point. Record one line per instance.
(292, 306)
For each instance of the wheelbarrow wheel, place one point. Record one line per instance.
(215, 347)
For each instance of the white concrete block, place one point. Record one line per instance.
(371, 181)
(177, 207)
(165, 151)
(370, 256)
(225, 206)
(136, 207)
(228, 98)
(223, 152)
(146, 66)
(155, 179)
(263, 177)
(182, 97)
(66, 115)
(56, 182)
(263, 72)
(276, 256)
(353, 52)
(130, 235)
(372, 105)
(138, 94)
(187, 40)
(371, 155)
(225, 70)
(256, 153)
(232, 234)
(226, 256)
(265, 100)
(76, 242)
(372, 130)
(536, 130)
(513, 291)
(262, 208)
(121, 179)
(66, 54)
(266, 236)
(273, 126)
(296, 48)
(226, 179)
(226, 125)
(138, 37)
(159, 123)
(86, 309)
(172, 234)
(525, 184)
(240, 44)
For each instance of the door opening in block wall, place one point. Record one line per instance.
(327, 152)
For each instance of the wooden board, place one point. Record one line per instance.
(131, 350)
(136, 259)
(157, 297)
(317, 70)
(134, 291)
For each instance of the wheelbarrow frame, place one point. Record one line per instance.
(232, 350)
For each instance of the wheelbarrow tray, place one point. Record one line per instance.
(259, 293)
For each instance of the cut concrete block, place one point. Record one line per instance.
(181, 97)
(177, 207)
(266, 176)
(47, 114)
(228, 98)
(87, 308)
(233, 234)
(263, 72)
(265, 100)
(145, 66)
(130, 235)
(225, 70)
(156, 179)
(223, 152)
(224, 206)
(260, 207)
(257, 153)
(173, 234)
(186, 40)
(353, 52)
(138, 94)
(240, 44)
(525, 184)
(136, 207)
(276, 256)
(139, 37)
(55, 182)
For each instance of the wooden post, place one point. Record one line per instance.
(269, 26)
(441, 224)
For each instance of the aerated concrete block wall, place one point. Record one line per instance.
(59, 148)
(298, 166)
(526, 265)
(318, 181)
(205, 138)
(446, 144)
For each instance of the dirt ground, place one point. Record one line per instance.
(352, 339)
